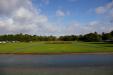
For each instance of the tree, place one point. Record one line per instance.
(106, 36)
(92, 37)
(111, 33)
(68, 38)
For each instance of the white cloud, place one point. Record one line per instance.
(7, 7)
(46, 1)
(106, 24)
(101, 10)
(109, 5)
(60, 13)
(22, 17)
(77, 28)
(105, 9)
(19, 16)
(23, 13)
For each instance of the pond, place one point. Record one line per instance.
(68, 64)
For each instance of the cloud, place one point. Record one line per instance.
(106, 24)
(62, 13)
(7, 7)
(77, 28)
(46, 2)
(21, 17)
(109, 5)
(101, 10)
(105, 9)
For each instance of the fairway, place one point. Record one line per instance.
(55, 47)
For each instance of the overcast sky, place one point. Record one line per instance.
(55, 17)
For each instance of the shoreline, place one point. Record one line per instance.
(60, 53)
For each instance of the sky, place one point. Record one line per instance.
(55, 17)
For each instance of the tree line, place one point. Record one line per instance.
(90, 37)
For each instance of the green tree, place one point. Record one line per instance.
(106, 36)
(92, 37)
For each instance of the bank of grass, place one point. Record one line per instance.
(55, 47)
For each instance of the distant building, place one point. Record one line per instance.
(109, 40)
(3, 42)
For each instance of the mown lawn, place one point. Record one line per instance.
(57, 47)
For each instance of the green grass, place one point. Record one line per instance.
(55, 47)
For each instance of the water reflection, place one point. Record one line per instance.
(84, 64)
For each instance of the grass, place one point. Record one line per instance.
(55, 47)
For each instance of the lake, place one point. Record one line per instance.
(68, 64)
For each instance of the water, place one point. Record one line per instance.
(79, 64)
